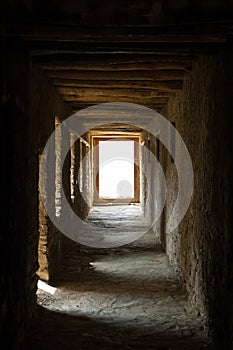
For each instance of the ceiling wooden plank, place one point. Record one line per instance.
(72, 92)
(173, 74)
(182, 33)
(70, 66)
(135, 47)
(56, 58)
(106, 99)
(46, 54)
(82, 105)
(165, 85)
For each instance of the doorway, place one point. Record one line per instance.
(116, 170)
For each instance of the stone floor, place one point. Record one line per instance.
(114, 225)
(126, 301)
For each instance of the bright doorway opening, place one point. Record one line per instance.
(116, 170)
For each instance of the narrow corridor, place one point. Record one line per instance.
(117, 138)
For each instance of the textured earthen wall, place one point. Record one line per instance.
(46, 106)
(43, 269)
(198, 249)
(59, 256)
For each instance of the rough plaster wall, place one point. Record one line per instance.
(198, 249)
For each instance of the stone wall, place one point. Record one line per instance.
(47, 108)
(59, 257)
(198, 249)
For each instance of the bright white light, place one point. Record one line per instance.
(45, 287)
(116, 179)
(116, 164)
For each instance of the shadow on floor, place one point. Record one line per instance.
(53, 330)
(131, 301)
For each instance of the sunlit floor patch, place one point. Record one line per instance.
(136, 298)
(42, 286)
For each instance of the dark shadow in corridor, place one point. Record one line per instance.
(53, 330)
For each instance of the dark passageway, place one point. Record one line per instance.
(134, 245)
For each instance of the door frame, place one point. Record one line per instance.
(107, 136)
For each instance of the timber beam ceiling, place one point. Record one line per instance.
(118, 51)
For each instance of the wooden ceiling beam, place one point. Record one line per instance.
(140, 93)
(142, 66)
(182, 33)
(81, 105)
(167, 86)
(127, 47)
(64, 59)
(158, 108)
(46, 55)
(106, 99)
(171, 74)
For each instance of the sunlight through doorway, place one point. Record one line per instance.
(116, 169)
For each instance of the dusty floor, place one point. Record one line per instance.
(129, 301)
(114, 225)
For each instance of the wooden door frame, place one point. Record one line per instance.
(136, 137)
